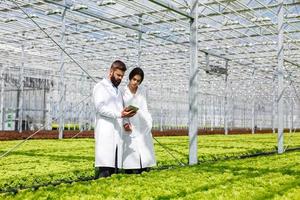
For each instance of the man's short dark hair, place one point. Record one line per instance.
(118, 64)
(136, 71)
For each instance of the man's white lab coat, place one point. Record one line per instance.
(109, 124)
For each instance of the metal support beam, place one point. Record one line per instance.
(80, 87)
(62, 81)
(253, 103)
(274, 107)
(193, 93)
(225, 102)
(44, 107)
(140, 41)
(244, 114)
(2, 97)
(21, 92)
(280, 76)
(176, 113)
(213, 118)
(220, 112)
(233, 112)
(173, 8)
(291, 105)
(205, 107)
(112, 21)
(48, 107)
(161, 103)
(95, 16)
(253, 126)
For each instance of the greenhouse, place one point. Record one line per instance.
(221, 81)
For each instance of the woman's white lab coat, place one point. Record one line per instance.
(138, 149)
(109, 124)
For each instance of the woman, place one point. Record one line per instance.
(138, 150)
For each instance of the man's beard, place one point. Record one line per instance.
(114, 81)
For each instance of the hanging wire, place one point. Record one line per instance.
(167, 150)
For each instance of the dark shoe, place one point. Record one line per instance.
(97, 173)
(103, 172)
(128, 171)
(133, 171)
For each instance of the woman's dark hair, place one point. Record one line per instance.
(136, 71)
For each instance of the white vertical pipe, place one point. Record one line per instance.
(20, 106)
(274, 106)
(161, 104)
(280, 76)
(193, 93)
(140, 40)
(253, 105)
(2, 96)
(213, 112)
(226, 103)
(220, 112)
(244, 116)
(291, 114)
(48, 106)
(62, 81)
(233, 112)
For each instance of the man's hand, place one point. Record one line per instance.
(128, 127)
(126, 113)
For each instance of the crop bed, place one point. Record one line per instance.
(64, 169)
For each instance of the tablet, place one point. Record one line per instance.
(131, 107)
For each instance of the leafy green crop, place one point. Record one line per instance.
(268, 177)
(42, 162)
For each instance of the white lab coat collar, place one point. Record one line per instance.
(111, 87)
(127, 90)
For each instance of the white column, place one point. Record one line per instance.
(253, 104)
(161, 105)
(204, 111)
(213, 112)
(226, 103)
(220, 112)
(176, 110)
(2, 96)
(280, 76)
(62, 81)
(233, 112)
(291, 114)
(193, 93)
(48, 96)
(253, 117)
(80, 113)
(274, 107)
(140, 41)
(244, 115)
(21, 89)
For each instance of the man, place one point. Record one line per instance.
(109, 121)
